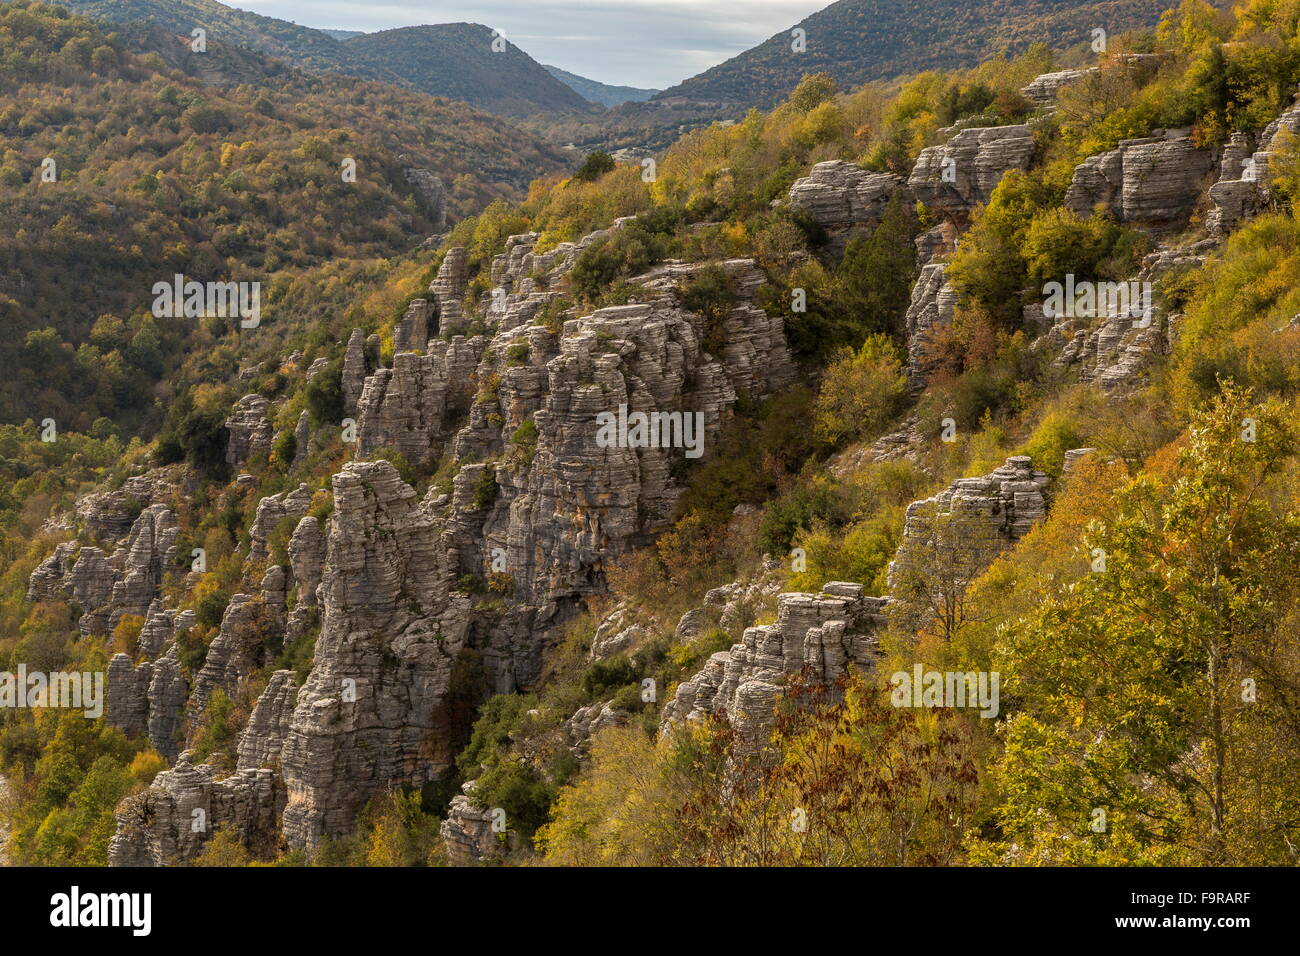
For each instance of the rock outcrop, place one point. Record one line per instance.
(106, 588)
(127, 690)
(448, 288)
(933, 303)
(171, 822)
(1042, 90)
(394, 579)
(1139, 67)
(406, 407)
(950, 538)
(955, 177)
(373, 711)
(1116, 349)
(468, 831)
(412, 331)
(825, 633)
(844, 198)
(108, 515)
(1243, 190)
(1153, 183)
(354, 371)
(168, 692)
(250, 429)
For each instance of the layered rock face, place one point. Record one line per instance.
(1115, 350)
(105, 587)
(843, 198)
(354, 371)
(448, 288)
(933, 303)
(251, 432)
(404, 647)
(412, 331)
(970, 522)
(467, 832)
(1152, 183)
(1043, 88)
(372, 710)
(961, 174)
(1243, 190)
(826, 633)
(271, 510)
(108, 515)
(406, 407)
(172, 821)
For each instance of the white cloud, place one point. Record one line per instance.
(630, 42)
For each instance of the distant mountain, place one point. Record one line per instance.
(596, 92)
(457, 60)
(224, 64)
(313, 50)
(860, 40)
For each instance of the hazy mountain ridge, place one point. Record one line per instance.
(455, 60)
(596, 92)
(458, 61)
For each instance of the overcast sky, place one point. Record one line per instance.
(647, 43)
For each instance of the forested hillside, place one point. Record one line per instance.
(455, 60)
(468, 62)
(314, 50)
(155, 173)
(855, 41)
(597, 92)
(657, 517)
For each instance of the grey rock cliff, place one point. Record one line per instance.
(825, 633)
(251, 432)
(844, 198)
(968, 524)
(1243, 190)
(1152, 183)
(962, 173)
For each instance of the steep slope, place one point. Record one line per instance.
(457, 60)
(860, 40)
(597, 92)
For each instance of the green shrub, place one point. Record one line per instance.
(608, 675)
(485, 492)
(709, 294)
(595, 165)
(325, 395)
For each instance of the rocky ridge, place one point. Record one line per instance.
(398, 627)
